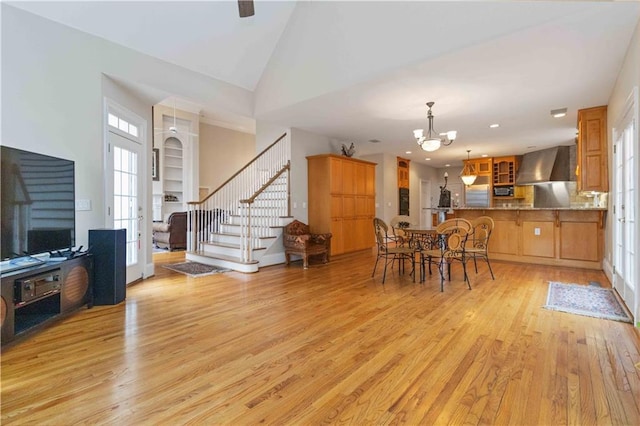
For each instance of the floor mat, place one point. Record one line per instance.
(586, 300)
(195, 269)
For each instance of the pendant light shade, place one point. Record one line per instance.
(468, 174)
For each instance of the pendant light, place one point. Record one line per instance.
(432, 140)
(468, 174)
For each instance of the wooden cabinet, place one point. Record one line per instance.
(505, 170)
(591, 170)
(481, 166)
(503, 237)
(403, 172)
(538, 239)
(562, 237)
(582, 227)
(342, 200)
(58, 289)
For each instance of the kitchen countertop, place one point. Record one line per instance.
(533, 208)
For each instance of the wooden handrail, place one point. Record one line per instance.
(239, 171)
(251, 199)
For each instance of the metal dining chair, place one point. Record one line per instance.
(478, 243)
(450, 243)
(390, 253)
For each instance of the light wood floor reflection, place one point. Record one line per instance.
(328, 345)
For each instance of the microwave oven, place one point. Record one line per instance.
(503, 191)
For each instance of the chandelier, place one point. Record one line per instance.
(468, 174)
(433, 140)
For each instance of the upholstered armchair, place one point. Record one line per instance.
(173, 234)
(299, 240)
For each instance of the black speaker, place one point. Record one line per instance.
(109, 249)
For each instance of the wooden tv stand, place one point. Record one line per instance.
(66, 286)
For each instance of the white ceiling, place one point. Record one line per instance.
(356, 71)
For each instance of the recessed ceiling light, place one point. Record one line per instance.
(374, 140)
(407, 152)
(427, 159)
(485, 155)
(493, 126)
(557, 113)
(447, 165)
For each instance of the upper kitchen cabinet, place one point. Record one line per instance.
(505, 170)
(480, 166)
(403, 172)
(591, 172)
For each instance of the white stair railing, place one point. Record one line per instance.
(238, 198)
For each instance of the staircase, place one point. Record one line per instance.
(239, 225)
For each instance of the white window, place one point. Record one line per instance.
(122, 125)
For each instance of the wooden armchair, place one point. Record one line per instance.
(299, 240)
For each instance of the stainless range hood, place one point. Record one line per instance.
(547, 165)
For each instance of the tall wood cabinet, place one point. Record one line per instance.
(592, 159)
(342, 200)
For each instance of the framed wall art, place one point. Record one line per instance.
(155, 164)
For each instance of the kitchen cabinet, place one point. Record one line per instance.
(538, 238)
(559, 237)
(403, 172)
(503, 237)
(591, 170)
(505, 170)
(481, 166)
(583, 228)
(341, 194)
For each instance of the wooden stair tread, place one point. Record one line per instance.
(229, 245)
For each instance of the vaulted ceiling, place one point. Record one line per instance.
(361, 71)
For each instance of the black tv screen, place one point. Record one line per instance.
(37, 213)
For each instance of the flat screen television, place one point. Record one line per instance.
(37, 210)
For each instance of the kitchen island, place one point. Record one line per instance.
(550, 236)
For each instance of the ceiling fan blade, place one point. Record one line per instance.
(246, 8)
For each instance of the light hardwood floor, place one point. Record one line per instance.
(329, 345)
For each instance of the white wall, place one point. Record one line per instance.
(303, 144)
(53, 89)
(387, 205)
(381, 161)
(222, 153)
(267, 133)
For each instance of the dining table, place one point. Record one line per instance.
(421, 238)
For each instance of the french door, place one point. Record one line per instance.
(124, 186)
(625, 192)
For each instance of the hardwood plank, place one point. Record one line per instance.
(328, 345)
